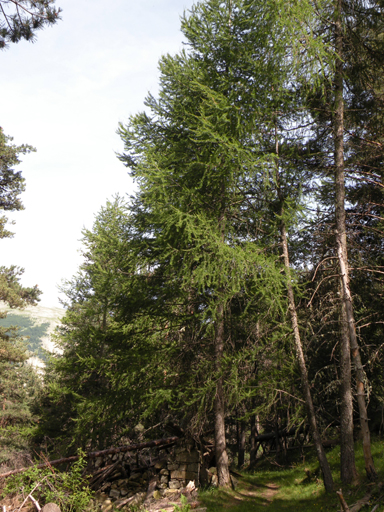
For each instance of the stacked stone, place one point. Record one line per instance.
(180, 468)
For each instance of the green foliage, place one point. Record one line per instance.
(274, 488)
(21, 18)
(20, 388)
(68, 489)
(184, 507)
(19, 385)
(197, 249)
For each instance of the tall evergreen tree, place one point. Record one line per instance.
(13, 375)
(192, 157)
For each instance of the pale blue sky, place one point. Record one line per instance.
(65, 95)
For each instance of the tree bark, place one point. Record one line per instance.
(240, 443)
(348, 472)
(325, 469)
(341, 243)
(222, 463)
(359, 370)
(253, 445)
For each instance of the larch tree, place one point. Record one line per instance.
(192, 156)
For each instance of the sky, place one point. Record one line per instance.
(65, 95)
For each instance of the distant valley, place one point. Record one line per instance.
(38, 323)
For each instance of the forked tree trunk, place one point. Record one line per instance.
(341, 244)
(222, 463)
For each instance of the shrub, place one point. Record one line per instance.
(68, 490)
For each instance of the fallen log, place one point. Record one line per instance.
(343, 503)
(281, 433)
(163, 443)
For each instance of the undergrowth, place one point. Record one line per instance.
(67, 489)
(297, 487)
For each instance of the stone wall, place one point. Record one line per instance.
(181, 466)
(149, 473)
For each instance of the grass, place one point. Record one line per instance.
(271, 488)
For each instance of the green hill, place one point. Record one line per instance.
(37, 323)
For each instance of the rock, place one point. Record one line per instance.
(188, 457)
(173, 467)
(157, 495)
(164, 479)
(174, 484)
(98, 462)
(213, 471)
(132, 483)
(114, 493)
(151, 487)
(171, 492)
(50, 507)
(107, 506)
(191, 486)
(164, 472)
(134, 476)
(135, 500)
(183, 475)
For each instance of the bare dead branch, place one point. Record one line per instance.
(318, 286)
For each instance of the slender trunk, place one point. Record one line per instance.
(348, 471)
(222, 463)
(341, 242)
(325, 469)
(359, 370)
(240, 443)
(253, 450)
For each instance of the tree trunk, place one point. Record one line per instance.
(348, 471)
(359, 370)
(253, 450)
(222, 464)
(341, 244)
(325, 469)
(240, 443)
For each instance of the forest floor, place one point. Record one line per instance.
(272, 488)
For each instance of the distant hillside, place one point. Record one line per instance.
(38, 323)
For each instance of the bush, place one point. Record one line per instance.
(68, 490)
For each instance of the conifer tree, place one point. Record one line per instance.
(353, 29)
(192, 157)
(13, 375)
(19, 19)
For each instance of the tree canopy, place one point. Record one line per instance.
(20, 19)
(232, 284)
